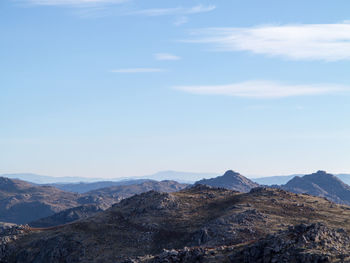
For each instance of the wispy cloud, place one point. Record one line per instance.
(138, 70)
(72, 2)
(174, 11)
(264, 89)
(166, 56)
(180, 21)
(329, 42)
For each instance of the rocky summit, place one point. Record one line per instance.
(198, 224)
(230, 180)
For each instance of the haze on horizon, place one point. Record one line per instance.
(124, 88)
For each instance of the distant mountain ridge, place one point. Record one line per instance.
(181, 177)
(84, 187)
(230, 180)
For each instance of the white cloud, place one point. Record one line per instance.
(174, 11)
(263, 89)
(138, 70)
(329, 42)
(73, 2)
(166, 56)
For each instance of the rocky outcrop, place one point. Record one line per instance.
(8, 234)
(300, 243)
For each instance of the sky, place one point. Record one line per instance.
(119, 88)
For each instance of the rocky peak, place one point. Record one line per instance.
(230, 180)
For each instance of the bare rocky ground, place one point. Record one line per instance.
(301, 243)
(199, 224)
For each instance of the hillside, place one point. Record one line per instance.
(208, 221)
(21, 202)
(320, 184)
(230, 180)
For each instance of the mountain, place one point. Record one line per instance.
(198, 224)
(230, 180)
(320, 184)
(86, 187)
(68, 215)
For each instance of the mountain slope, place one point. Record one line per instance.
(198, 218)
(230, 180)
(320, 184)
(21, 202)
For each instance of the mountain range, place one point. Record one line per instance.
(182, 177)
(22, 202)
(198, 224)
(84, 187)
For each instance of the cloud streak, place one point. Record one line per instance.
(137, 70)
(263, 89)
(174, 11)
(329, 42)
(166, 56)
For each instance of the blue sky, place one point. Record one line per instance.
(111, 88)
